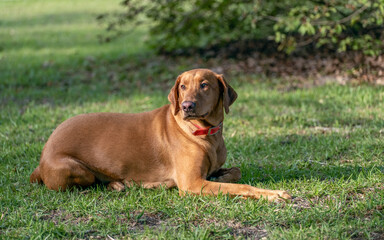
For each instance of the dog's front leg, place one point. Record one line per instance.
(204, 187)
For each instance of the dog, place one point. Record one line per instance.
(178, 145)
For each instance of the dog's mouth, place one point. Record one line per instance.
(191, 116)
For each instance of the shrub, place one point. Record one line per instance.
(336, 24)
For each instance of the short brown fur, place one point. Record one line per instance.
(152, 148)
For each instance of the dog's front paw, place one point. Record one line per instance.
(278, 196)
(284, 194)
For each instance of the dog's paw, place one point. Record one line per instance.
(117, 186)
(281, 196)
(226, 175)
(278, 196)
(284, 194)
(235, 174)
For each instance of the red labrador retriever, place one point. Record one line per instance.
(178, 145)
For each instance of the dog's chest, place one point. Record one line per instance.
(216, 155)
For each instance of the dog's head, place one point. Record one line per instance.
(201, 94)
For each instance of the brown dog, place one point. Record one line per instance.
(180, 144)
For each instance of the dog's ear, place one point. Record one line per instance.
(173, 96)
(229, 94)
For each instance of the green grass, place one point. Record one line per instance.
(324, 144)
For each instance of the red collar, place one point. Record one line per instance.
(207, 131)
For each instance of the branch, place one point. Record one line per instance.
(343, 20)
(308, 41)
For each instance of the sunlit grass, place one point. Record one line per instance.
(324, 144)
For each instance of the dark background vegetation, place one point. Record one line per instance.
(306, 37)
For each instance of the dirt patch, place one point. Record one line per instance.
(140, 220)
(301, 203)
(377, 235)
(57, 216)
(234, 228)
(248, 232)
(321, 65)
(135, 219)
(314, 70)
(372, 235)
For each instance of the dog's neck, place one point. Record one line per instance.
(207, 130)
(199, 125)
(202, 123)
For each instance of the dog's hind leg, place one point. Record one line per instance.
(116, 185)
(65, 172)
(226, 175)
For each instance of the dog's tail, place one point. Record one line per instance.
(35, 176)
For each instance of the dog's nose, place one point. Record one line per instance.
(188, 106)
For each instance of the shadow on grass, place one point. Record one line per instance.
(317, 156)
(91, 80)
(325, 106)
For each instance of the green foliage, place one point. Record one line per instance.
(337, 24)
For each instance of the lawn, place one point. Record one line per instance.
(323, 144)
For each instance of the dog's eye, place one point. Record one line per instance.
(203, 85)
(182, 87)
